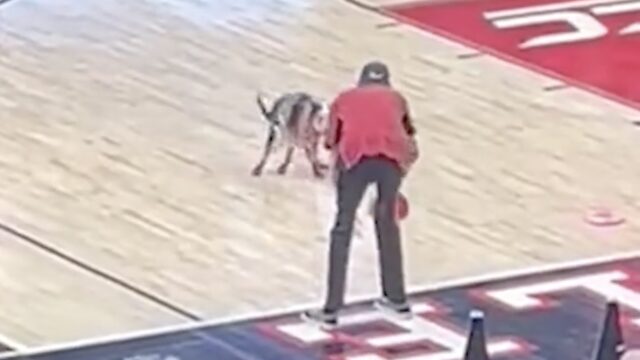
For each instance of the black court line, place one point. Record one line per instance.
(556, 87)
(363, 6)
(388, 25)
(471, 55)
(2, 2)
(100, 273)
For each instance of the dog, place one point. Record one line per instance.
(296, 120)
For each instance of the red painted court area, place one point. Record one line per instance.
(592, 44)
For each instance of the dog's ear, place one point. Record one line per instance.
(321, 118)
(324, 109)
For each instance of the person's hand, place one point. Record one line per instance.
(411, 156)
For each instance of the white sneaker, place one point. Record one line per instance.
(400, 310)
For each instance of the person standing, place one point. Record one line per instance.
(373, 136)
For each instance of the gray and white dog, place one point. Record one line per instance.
(296, 120)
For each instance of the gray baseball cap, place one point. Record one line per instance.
(374, 72)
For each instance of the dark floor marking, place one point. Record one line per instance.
(52, 251)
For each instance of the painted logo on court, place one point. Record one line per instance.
(562, 39)
(584, 21)
(373, 336)
(548, 315)
(435, 333)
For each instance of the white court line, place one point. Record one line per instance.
(195, 326)
(491, 15)
(616, 8)
(13, 344)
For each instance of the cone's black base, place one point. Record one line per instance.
(611, 344)
(476, 343)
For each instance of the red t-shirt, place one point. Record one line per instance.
(371, 120)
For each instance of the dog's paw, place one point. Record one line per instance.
(257, 171)
(282, 169)
(318, 174)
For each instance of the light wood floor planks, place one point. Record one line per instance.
(45, 300)
(128, 131)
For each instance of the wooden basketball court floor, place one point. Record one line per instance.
(128, 130)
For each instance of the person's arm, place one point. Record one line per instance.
(407, 122)
(412, 146)
(333, 132)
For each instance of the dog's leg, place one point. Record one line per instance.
(317, 166)
(312, 155)
(268, 147)
(282, 169)
(318, 163)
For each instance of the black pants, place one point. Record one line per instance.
(351, 185)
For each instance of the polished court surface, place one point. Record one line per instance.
(128, 131)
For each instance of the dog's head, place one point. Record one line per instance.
(320, 121)
(315, 118)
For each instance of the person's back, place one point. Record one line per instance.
(370, 121)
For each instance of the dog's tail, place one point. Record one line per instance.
(263, 107)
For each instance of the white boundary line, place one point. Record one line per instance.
(195, 326)
(491, 15)
(16, 346)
